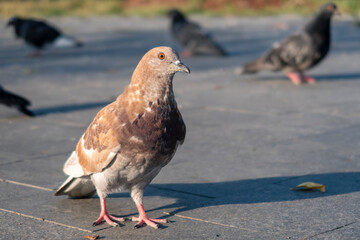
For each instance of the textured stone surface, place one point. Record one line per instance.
(249, 140)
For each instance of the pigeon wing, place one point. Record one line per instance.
(196, 40)
(98, 146)
(295, 52)
(38, 33)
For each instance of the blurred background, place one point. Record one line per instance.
(47, 8)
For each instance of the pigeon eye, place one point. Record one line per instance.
(161, 56)
(330, 8)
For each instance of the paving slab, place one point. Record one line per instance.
(249, 138)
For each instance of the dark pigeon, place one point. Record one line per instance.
(12, 100)
(39, 34)
(300, 51)
(190, 36)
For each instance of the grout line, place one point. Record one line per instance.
(221, 224)
(223, 109)
(207, 221)
(45, 220)
(331, 230)
(34, 158)
(26, 185)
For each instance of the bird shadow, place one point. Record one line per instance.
(191, 196)
(68, 108)
(317, 77)
(337, 77)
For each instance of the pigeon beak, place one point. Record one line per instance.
(181, 67)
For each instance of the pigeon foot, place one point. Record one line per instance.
(294, 78)
(186, 53)
(143, 219)
(309, 79)
(105, 216)
(148, 221)
(35, 54)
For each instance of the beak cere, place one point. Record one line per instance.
(181, 67)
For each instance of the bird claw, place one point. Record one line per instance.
(35, 54)
(309, 80)
(148, 221)
(109, 219)
(294, 78)
(96, 223)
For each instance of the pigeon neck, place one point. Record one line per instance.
(320, 24)
(152, 86)
(17, 28)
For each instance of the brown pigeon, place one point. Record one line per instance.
(131, 139)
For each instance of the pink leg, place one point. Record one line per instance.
(104, 215)
(294, 78)
(308, 79)
(35, 54)
(186, 53)
(143, 219)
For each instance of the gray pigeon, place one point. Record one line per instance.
(131, 139)
(190, 36)
(300, 51)
(13, 100)
(40, 34)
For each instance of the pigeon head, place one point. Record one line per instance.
(161, 61)
(155, 72)
(328, 9)
(14, 21)
(176, 15)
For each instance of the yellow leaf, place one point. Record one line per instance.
(91, 237)
(309, 186)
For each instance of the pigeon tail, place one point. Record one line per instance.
(77, 187)
(15, 101)
(26, 111)
(251, 67)
(221, 52)
(67, 41)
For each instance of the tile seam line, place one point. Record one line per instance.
(34, 158)
(220, 224)
(26, 185)
(45, 220)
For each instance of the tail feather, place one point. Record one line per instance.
(26, 111)
(251, 67)
(16, 101)
(67, 41)
(77, 187)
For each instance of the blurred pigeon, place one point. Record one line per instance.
(12, 100)
(131, 139)
(299, 51)
(191, 37)
(39, 34)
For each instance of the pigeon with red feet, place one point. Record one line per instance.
(130, 140)
(300, 51)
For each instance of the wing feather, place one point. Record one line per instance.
(98, 146)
